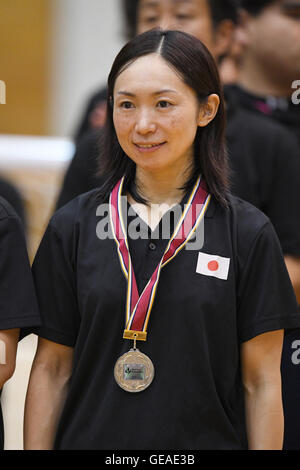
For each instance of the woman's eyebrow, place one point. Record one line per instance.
(156, 3)
(160, 92)
(166, 90)
(127, 93)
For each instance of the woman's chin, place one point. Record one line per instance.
(153, 167)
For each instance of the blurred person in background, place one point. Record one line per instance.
(269, 69)
(230, 65)
(12, 195)
(18, 305)
(268, 84)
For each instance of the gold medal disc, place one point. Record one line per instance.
(134, 371)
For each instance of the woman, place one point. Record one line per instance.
(18, 306)
(208, 319)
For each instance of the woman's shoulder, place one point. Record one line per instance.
(11, 227)
(246, 213)
(248, 223)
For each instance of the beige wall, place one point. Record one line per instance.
(24, 65)
(53, 55)
(86, 36)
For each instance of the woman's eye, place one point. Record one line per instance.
(163, 104)
(126, 105)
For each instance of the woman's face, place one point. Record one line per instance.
(156, 115)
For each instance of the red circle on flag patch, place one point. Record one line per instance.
(213, 265)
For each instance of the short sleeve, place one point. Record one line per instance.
(266, 299)
(18, 305)
(54, 279)
(13, 197)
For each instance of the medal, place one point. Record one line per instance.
(134, 371)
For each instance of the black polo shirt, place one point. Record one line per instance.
(13, 197)
(197, 325)
(265, 164)
(18, 306)
(280, 109)
(264, 158)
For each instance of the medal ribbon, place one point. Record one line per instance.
(138, 308)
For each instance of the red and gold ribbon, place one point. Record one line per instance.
(138, 307)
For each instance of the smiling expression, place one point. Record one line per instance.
(155, 115)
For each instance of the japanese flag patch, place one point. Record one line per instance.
(212, 265)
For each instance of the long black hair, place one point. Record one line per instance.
(194, 63)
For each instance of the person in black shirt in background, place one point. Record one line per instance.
(18, 305)
(82, 174)
(269, 68)
(269, 72)
(11, 195)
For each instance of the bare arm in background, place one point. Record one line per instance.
(46, 394)
(260, 360)
(8, 350)
(293, 267)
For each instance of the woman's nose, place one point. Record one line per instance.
(145, 123)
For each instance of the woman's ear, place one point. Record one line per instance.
(208, 110)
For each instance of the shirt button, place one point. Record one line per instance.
(152, 246)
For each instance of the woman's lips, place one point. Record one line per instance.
(149, 147)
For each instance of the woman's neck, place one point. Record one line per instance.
(159, 188)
